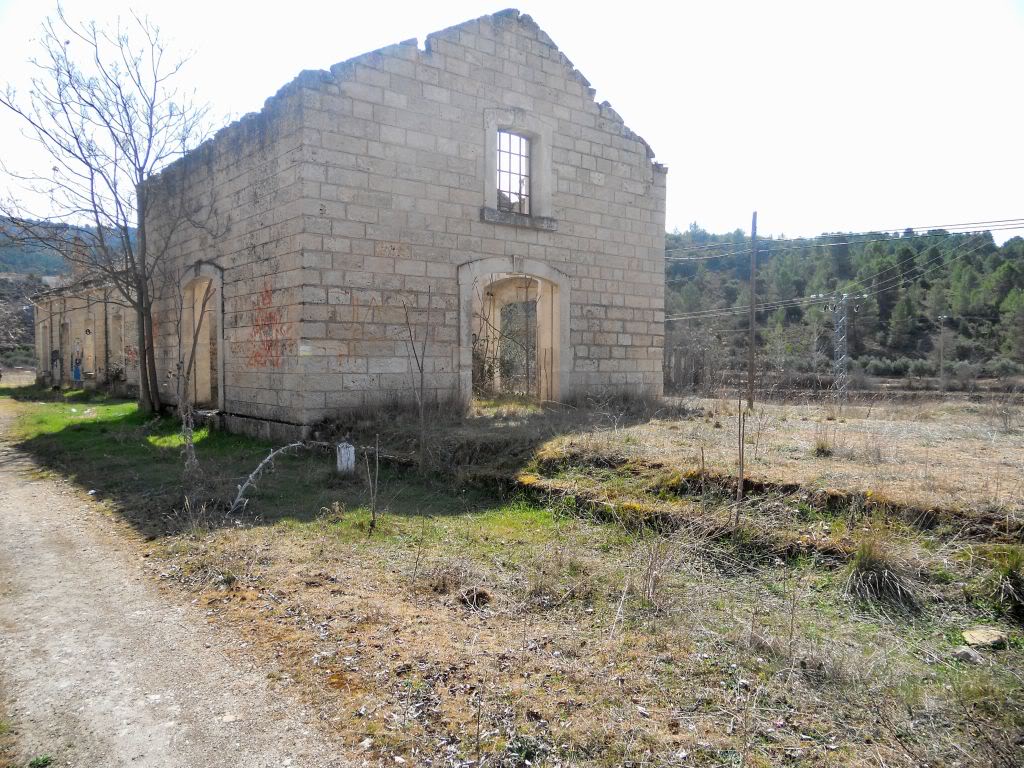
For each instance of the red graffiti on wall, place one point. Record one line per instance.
(269, 331)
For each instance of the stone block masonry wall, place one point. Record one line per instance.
(242, 230)
(395, 176)
(358, 197)
(93, 323)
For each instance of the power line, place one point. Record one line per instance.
(939, 260)
(997, 225)
(744, 308)
(799, 244)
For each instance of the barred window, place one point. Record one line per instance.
(513, 173)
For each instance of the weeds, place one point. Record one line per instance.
(448, 577)
(824, 440)
(195, 519)
(875, 576)
(1008, 584)
(658, 556)
(1005, 412)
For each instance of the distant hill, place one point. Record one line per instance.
(29, 259)
(16, 323)
(33, 260)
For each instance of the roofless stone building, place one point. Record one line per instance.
(471, 191)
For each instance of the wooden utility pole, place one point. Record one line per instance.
(753, 302)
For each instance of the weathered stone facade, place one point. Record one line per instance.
(365, 195)
(86, 329)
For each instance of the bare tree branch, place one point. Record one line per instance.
(103, 107)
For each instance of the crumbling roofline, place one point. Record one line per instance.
(342, 71)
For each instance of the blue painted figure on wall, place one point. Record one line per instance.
(76, 363)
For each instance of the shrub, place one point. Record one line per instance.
(1003, 368)
(880, 366)
(920, 368)
(824, 440)
(965, 373)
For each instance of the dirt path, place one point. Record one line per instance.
(98, 668)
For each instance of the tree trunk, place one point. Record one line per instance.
(154, 382)
(145, 401)
(145, 300)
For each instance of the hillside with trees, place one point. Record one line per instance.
(16, 323)
(914, 297)
(28, 258)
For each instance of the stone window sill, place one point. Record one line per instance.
(494, 216)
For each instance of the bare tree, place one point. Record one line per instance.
(188, 342)
(419, 358)
(104, 108)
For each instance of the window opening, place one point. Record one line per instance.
(513, 173)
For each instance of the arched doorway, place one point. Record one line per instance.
(201, 336)
(89, 347)
(62, 365)
(514, 334)
(44, 366)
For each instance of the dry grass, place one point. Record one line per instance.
(606, 644)
(597, 646)
(948, 454)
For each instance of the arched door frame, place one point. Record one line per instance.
(482, 271)
(210, 271)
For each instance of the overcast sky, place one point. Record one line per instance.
(821, 115)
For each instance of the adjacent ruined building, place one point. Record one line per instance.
(470, 194)
(86, 329)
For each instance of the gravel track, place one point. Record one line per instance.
(99, 668)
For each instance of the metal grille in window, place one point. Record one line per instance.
(513, 173)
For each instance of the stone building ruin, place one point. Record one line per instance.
(471, 192)
(86, 329)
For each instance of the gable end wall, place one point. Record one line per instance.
(394, 160)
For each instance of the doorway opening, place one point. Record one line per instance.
(515, 340)
(201, 333)
(89, 348)
(115, 348)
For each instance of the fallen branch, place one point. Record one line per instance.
(238, 505)
(240, 502)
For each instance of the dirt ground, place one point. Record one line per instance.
(99, 668)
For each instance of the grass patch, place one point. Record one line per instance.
(876, 576)
(1006, 581)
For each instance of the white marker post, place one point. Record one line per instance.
(346, 458)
